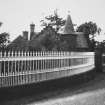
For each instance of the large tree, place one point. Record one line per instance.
(50, 39)
(90, 29)
(53, 20)
(0, 24)
(4, 39)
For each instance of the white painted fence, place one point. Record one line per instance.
(18, 68)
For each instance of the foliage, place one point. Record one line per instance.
(53, 20)
(89, 29)
(63, 45)
(0, 23)
(50, 39)
(4, 39)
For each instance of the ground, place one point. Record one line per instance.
(90, 92)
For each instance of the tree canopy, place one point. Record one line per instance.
(89, 29)
(53, 20)
(4, 39)
(0, 24)
(50, 39)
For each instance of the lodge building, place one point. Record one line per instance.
(75, 40)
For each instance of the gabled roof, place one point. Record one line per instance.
(68, 28)
(18, 44)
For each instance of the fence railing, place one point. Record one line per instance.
(17, 68)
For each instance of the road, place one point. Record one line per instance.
(90, 92)
(96, 97)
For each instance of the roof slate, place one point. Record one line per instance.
(18, 44)
(68, 28)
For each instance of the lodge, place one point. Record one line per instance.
(33, 40)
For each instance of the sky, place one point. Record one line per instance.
(17, 15)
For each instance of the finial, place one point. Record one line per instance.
(69, 12)
(32, 24)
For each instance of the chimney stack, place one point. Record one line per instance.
(25, 35)
(32, 28)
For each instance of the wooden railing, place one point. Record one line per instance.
(18, 68)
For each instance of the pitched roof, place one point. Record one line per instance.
(68, 28)
(81, 40)
(18, 44)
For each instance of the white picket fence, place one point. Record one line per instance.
(18, 68)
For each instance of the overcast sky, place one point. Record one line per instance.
(17, 15)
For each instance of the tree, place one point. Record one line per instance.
(53, 20)
(0, 24)
(49, 39)
(89, 29)
(4, 39)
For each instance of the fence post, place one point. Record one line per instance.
(98, 60)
